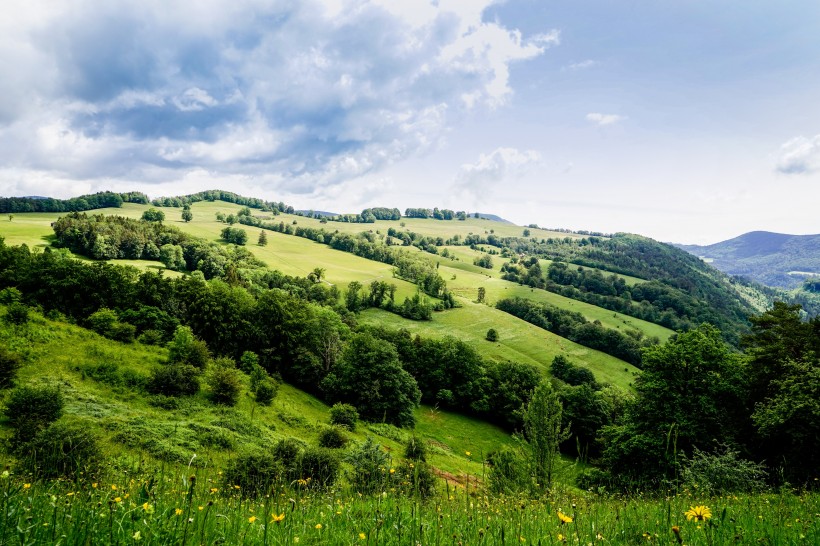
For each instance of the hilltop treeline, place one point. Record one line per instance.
(101, 200)
(312, 343)
(227, 196)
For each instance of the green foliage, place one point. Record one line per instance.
(187, 215)
(66, 449)
(543, 426)
(485, 261)
(415, 478)
(370, 377)
(415, 450)
(30, 409)
(10, 295)
(174, 380)
(320, 465)
(223, 382)
(248, 362)
(10, 363)
(265, 391)
(508, 472)
(16, 313)
(153, 215)
(263, 238)
(172, 257)
(344, 415)
(571, 374)
(722, 472)
(369, 464)
(106, 323)
(254, 472)
(184, 348)
(492, 335)
(333, 437)
(237, 236)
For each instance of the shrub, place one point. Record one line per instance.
(31, 409)
(103, 321)
(266, 390)
(415, 479)
(10, 362)
(722, 472)
(344, 415)
(187, 349)
(10, 295)
(492, 335)
(254, 472)
(332, 438)
(223, 382)
(508, 472)
(65, 449)
(174, 380)
(151, 337)
(123, 332)
(415, 450)
(248, 362)
(369, 462)
(17, 313)
(287, 452)
(320, 465)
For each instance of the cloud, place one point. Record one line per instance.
(302, 94)
(799, 155)
(477, 180)
(582, 65)
(604, 119)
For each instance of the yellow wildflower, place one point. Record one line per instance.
(698, 513)
(277, 519)
(318, 525)
(362, 536)
(467, 453)
(137, 536)
(113, 487)
(70, 494)
(392, 470)
(147, 508)
(178, 511)
(117, 499)
(563, 518)
(26, 485)
(94, 485)
(214, 489)
(251, 519)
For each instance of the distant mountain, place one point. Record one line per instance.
(773, 259)
(494, 218)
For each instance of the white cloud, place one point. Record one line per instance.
(604, 119)
(582, 65)
(504, 165)
(303, 94)
(799, 155)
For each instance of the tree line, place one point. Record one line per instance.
(100, 200)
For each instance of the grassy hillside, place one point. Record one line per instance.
(99, 379)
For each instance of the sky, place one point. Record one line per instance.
(688, 121)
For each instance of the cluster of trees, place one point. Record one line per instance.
(311, 343)
(220, 195)
(369, 216)
(98, 200)
(699, 398)
(575, 327)
(109, 237)
(438, 214)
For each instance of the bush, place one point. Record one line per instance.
(187, 349)
(508, 472)
(415, 450)
(266, 390)
(332, 438)
(10, 295)
(344, 415)
(415, 479)
(369, 464)
(492, 335)
(16, 313)
(9, 364)
(151, 337)
(248, 362)
(223, 382)
(287, 452)
(174, 380)
(320, 465)
(254, 472)
(65, 449)
(31, 409)
(722, 472)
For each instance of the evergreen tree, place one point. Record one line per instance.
(542, 424)
(263, 238)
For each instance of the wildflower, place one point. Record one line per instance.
(26, 485)
(201, 508)
(94, 485)
(137, 536)
(563, 518)
(251, 519)
(70, 494)
(698, 513)
(147, 508)
(467, 453)
(214, 490)
(113, 487)
(277, 519)
(392, 470)
(178, 511)
(362, 536)
(117, 499)
(676, 530)
(236, 487)
(318, 525)
(561, 538)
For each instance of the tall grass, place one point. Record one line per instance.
(134, 506)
